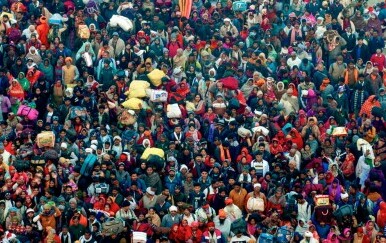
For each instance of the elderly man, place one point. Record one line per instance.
(117, 44)
(179, 59)
(171, 218)
(228, 27)
(294, 60)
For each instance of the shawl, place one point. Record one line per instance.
(368, 105)
(324, 85)
(294, 89)
(334, 192)
(15, 90)
(152, 180)
(359, 22)
(83, 49)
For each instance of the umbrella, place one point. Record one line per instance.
(339, 131)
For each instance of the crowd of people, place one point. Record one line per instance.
(232, 121)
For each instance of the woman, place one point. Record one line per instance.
(209, 115)
(199, 105)
(142, 225)
(368, 69)
(370, 230)
(184, 231)
(16, 95)
(153, 217)
(334, 191)
(86, 48)
(368, 105)
(193, 133)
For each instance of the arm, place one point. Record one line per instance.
(76, 73)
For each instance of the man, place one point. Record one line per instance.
(382, 98)
(350, 39)
(125, 213)
(261, 166)
(172, 181)
(337, 69)
(237, 195)
(196, 198)
(342, 101)
(171, 218)
(65, 236)
(361, 51)
(117, 44)
(294, 60)
(213, 234)
(76, 230)
(319, 75)
(228, 27)
(375, 80)
(350, 75)
(211, 191)
(223, 223)
(31, 234)
(87, 238)
(49, 216)
(256, 201)
(106, 74)
(179, 59)
(240, 237)
(303, 208)
(135, 179)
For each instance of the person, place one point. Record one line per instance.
(212, 234)
(171, 218)
(248, 125)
